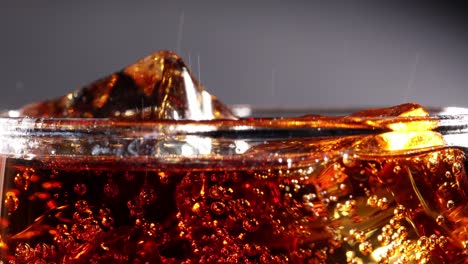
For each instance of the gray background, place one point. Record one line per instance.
(313, 54)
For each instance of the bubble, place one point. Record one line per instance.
(81, 206)
(448, 175)
(43, 250)
(402, 232)
(423, 242)
(86, 231)
(129, 176)
(251, 225)
(442, 241)
(382, 203)
(397, 169)
(11, 202)
(135, 209)
(457, 168)
(111, 189)
(399, 212)
(147, 195)
(450, 205)
(227, 193)
(251, 249)
(218, 208)
(105, 218)
(372, 201)
(365, 248)
(63, 238)
(215, 191)
(80, 189)
(22, 180)
(24, 252)
(440, 220)
(432, 162)
(349, 160)
(343, 187)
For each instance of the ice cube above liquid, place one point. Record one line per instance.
(377, 186)
(159, 86)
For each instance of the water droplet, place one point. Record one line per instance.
(80, 189)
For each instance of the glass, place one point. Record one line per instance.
(285, 190)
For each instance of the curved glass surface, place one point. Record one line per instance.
(268, 190)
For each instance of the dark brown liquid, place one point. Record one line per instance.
(355, 209)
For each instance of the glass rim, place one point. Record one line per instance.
(33, 137)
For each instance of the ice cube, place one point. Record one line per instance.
(159, 86)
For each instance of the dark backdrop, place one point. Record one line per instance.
(314, 54)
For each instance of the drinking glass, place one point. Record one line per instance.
(355, 189)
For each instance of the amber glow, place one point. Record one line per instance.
(407, 140)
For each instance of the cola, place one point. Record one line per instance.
(91, 177)
(406, 207)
